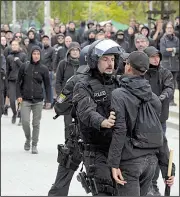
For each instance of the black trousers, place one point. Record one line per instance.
(62, 182)
(138, 173)
(97, 168)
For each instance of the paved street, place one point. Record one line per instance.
(24, 174)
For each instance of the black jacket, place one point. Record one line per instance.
(91, 100)
(65, 70)
(161, 81)
(73, 35)
(61, 53)
(32, 43)
(12, 67)
(3, 73)
(170, 60)
(30, 79)
(47, 57)
(125, 104)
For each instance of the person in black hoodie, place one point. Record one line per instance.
(146, 32)
(3, 43)
(133, 167)
(30, 94)
(66, 69)
(161, 81)
(32, 40)
(120, 39)
(90, 38)
(13, 64)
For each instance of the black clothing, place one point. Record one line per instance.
(30, 79)
(125, 104)
(170, 60)
(130, 40)
(66, 69)
(161, 81)
(138, 173)
(61, 53)
(47, 57)
(12, 67)
(73, 34)
(92, 112)
(54, 40)
(91, 100)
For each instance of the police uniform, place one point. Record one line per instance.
(91, 100)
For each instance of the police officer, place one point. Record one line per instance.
(66, 169)
(91, 99)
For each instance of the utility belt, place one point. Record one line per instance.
(69, 154)
(67, 159)
(89, 182)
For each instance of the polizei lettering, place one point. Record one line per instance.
(99, 94)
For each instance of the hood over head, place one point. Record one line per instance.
(145, 27)
(138, 86)
(71, 46)
(33, 49)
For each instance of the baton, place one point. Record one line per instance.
(168, 189)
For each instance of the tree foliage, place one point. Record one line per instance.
(120, 11)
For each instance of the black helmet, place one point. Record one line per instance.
(83, 56)
(103, 47)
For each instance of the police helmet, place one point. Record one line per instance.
(83, 55)
(103, 47)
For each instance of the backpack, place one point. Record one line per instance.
(147, 132)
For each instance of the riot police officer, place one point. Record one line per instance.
(91, 99)
(69, 156)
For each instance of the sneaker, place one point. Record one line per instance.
(34, 150)
(27, 146)
(14, 119)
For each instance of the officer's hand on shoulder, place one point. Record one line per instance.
(107, 123)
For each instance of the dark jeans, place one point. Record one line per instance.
(67, 122)
(156, 175)
(62, 182)
(12, 96)
(138, 173)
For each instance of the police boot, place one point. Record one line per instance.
(14, 119)
(34, 150)
(6, 110)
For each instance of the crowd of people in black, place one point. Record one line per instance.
(35, 69)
